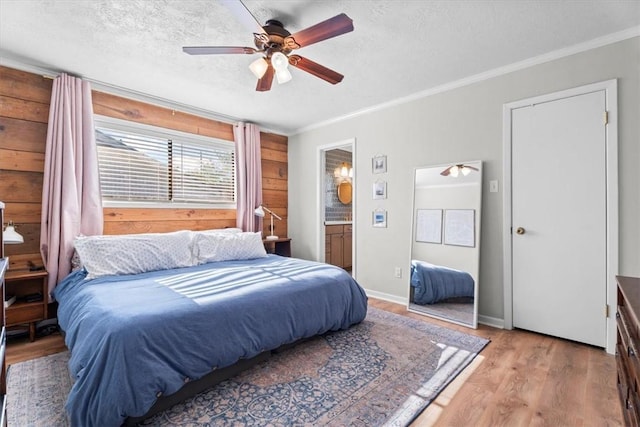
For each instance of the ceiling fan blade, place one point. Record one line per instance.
(243, 15)
(264, 84)
(316, 69)
(217, 50)
(447, 171)
(332, 27)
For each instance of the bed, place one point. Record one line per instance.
(434, 283)
(136, 338)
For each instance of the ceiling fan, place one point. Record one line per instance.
(276, 44)
(455, 170)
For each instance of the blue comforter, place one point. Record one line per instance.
(434, 283)
(133, 338)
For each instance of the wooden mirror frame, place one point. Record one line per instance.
(345, 192)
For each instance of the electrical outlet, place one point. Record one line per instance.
(398, 272)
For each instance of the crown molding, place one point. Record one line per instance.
(536, 60)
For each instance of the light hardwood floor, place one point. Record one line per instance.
(519, 379)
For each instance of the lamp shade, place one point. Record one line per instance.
(260, 211)
(10, 236)
(259, 67)
(279, 61)
(283, 76)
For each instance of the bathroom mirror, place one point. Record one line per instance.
(445, 242)
(344, 192)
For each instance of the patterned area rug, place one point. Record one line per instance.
(384, 371)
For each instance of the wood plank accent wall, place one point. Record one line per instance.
(24, 112)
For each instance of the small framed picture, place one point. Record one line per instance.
(380, 218)
(380, 190)
(379, 164)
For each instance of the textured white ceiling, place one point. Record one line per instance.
(398, 48)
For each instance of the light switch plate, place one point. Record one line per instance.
(493, 186)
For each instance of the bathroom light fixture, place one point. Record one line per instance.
(344, 171)
(10, 236)
(259, 211)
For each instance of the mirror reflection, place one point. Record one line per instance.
(445, 242)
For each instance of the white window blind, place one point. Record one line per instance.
(153, 165)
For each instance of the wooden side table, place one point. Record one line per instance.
(280, 246)
(27, 308)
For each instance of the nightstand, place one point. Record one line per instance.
(27, 308)
(280, 246)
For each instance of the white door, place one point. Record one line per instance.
(559, 208)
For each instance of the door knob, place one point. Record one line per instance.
(520, 230)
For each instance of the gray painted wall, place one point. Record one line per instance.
(457, 125)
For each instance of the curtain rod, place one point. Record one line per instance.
(13, 61)
(174, 106)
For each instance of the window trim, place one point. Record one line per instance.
(165, 133)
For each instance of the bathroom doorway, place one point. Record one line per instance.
(337, 198)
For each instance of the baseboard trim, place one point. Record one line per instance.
(491, 321)
(386, 297)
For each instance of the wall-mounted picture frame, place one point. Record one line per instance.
(460, 227)
(429, 225)
(380, 218)
(379, 190)
(379, 164)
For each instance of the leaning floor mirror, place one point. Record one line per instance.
(445, 242)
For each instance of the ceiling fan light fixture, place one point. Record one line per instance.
(455, 170)
(465, 170)
(283, 76)
(259, 67)
(279, 61)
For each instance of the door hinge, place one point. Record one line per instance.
(605, 117)
(606, 310)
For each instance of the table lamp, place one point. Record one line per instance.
(11, 236)
(260, 212)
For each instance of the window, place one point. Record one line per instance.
(143, 165)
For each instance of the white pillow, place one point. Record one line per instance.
(134, 253)
(221, 230)
(227, 246)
